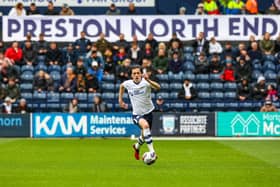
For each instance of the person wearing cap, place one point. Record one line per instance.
(268, 107)
(95, 70)
(259, 91)
(51, 10)
(188, 92)
(200, 9)
(160, 105)
(66, 10)
(33, 10)
(113, 10)
(22, 107)
(7, 107)
(73, 106)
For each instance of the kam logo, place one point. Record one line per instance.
(249, 126)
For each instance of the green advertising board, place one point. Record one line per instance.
(248, 124)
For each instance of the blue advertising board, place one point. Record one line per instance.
(14, 125)
(248, 124)
(83, 125)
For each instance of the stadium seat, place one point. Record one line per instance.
(109, 78)
(27, 68)
(189, 75)
(39, 101)
(91, 96)
(27, 77)
(177, 106)
(270, 75)
(230, 95)
(82, 97)
(175, 77)
(56, 76)
(218, 106)
(202, 77)
(163, 77)
(65, 97)
(84, 107)
(217, 95)
(268, 65)
(164, 86)
(256, 74)
(28, 96)
(26, 87)
(108, 95)
(188, 66)
(53, 97)
(203, 86)
(257, 66)
(164, 95)
(108, 87)
(193, 106)
(54, 107)
(269, 58)
(246, 106)
(41, 66)
(41, 58)
(175, 86)
(54, 68)
(231, 106)
(204, 95)
(189, 57)
(216, 86)
(188, 49)
(230, 86)
(205, 106)
(173, 95)
(215, 77)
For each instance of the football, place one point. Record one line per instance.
(148, 158)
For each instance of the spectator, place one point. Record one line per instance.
(98, 53)
(8, 70)
(267, 45)
(182, 10)
(50, 83)
(147, 65)
(162, 46)
(215, 65)
(188, 92)
(80, 68)
(95, 57)
(244, 54)
(255, 53)
(243, 90)
(99, 105)
(228, 51)
(69, 55)
(148, 51)
(82, 45)
(243, 69)
(22, 107)
(201, 64)
(175, 38)
(81, 83)
(211, 7)
(160, 105)
(2, 92)
(135, 54)
(200, 9)
(2, 47)
(40, 83)
(277, 44)
(68, 81)
(120, 56)
(234, 7)
(121, 43)
(12, 90)
(14, 53)
(113, 10)
(175, 65)
(42, 45)
(259, 90)
(29, 54)
(53, 55)
(272, 10)
(201, 44)
(175, 48)
(110, 66)
(252, 6)
(96, 71)
(131, 9)
(252, 39)
(73, 106)
(7, 107)
(151, 40)
(123, 70)
(51, 10)
(215, 47)
(102, 44)
(18, 10)
(33, 10)
(268, 107)
(160, 62)
(271, 93)
(66, 10)
(92, 83)
(228, 73)
(135, 40)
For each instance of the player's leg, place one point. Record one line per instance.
(137, 146)
(143, 123)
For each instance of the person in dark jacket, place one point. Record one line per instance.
(152, 41)
(201, 44)
(51, 10)
(215, 65)
(201, 64)
(53, 56)
(33, 10)
(99, 105)
(131, 9)
(243, 69)
(92, 83)
(80, 67)
(243, 90)
(68, 81)
(29, 54)
(255, 53)
(188, 92)
(82, 45)
(69, 55)
(40, 83)
(160, 105)
(22, 107)
(175, 65)
(259, 91)
(12, 90)
(42, 45)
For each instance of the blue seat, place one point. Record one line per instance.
(218, 106)
(41, 58)
(269, 58)
(27, 77)
(202, 77)
(215, 77)
(54, 107)
(164, 86)
(217, 95)
(173, 95)
(204, 86)
(189, 75)
(108, 95)
(217, 86)
(204, 95)
(175, 77)
(193, 106)
(164, 95)
(188, 66)
(109, 78)
(41, 66)
(188, 49)
(55, 68)
(246, 106)
(55, 75)
(177, 106)
(189, 57)
(27, 68)
(82, 97)
(230, 86)
(256, 74)
(91, 96)
(270, 75)
(175, 86)
(39, 101)
(268, 65)
(65, 97)
(232, 106)
(53, 97)
(27, 95)
(205, 106)
(83, 107)
(230, 95)
(26, 87)
(163, 77)
(257, 66)
(105, 86)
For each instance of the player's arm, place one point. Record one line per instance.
(121, 102)
(153, 84)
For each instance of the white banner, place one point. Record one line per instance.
(82, 3)
(58, 28)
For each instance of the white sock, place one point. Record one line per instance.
(148, 139)
(140, 142)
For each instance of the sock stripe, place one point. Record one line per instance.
(149, 142)
(140, 141)
(148, 136)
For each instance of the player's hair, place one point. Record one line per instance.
(135, 67)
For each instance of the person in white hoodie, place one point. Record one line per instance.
(215, 47)
(18, 10)
(188, 92)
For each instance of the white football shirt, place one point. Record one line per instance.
(140, 96)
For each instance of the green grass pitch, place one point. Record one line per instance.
(110, 162)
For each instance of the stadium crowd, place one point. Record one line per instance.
(188, 70)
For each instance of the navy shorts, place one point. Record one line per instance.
(148, 117)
